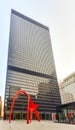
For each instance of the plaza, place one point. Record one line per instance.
(34, 125)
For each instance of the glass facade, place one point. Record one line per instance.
(30, 67)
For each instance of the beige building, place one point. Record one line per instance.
(67, 89)
(0, 107)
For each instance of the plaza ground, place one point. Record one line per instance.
(35, 125)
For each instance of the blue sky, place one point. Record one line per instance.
(58, 15)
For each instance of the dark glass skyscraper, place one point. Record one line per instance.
(30, 67)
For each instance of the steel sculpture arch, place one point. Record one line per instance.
(30, 108)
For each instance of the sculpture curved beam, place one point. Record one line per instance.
(30, 108)
(14, 99)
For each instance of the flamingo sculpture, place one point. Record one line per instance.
(30, 108)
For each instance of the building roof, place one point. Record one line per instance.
(29, 19)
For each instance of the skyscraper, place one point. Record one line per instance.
(30, 67)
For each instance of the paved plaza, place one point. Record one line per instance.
(35, 125)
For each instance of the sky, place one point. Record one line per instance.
(58, 15)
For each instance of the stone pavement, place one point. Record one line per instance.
(35, 125)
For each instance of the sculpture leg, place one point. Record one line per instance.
(30, 116)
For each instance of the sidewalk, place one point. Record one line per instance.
(35, 125)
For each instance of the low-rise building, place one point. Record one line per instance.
(0, 107)
(67, 89)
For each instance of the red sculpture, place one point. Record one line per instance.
(30, 108)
